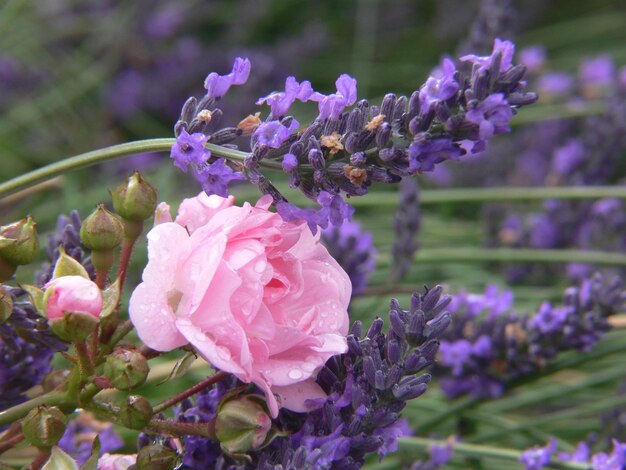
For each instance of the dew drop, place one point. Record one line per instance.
(295, 374)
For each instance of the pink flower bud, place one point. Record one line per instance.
(72, 294)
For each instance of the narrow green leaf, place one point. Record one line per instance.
(181, 367)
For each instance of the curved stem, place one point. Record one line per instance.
(479, 451)
(12, 441)
(110, 153)
(82, 161)
(164, 405)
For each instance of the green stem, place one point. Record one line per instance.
(495, 194)
(110, 153)
(16, 412)
(212, 379)
(478, 451)
(517, 255)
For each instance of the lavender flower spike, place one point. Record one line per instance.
(331, 106)
(280, 101)
(538, 457)
(217, 85)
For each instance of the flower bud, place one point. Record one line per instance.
(102, 230)
(157, 457)
(19, 242)
(242, 425)
(135, 199)
(72, 305)
(44, 426)
(126, 368)
(6, 305)
(136, 412)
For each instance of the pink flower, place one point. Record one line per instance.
(72, 294)
(257, 296)
(116, 461)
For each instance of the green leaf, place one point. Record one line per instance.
(181, 367)
(36, 297)
(92, 461)
(68, 266)
(59, 460)
(111, 298)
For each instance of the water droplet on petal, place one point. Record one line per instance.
(295, 374)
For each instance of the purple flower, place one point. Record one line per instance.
(441, 86)
(616, 460)
(215, 177)
(331, 106)
(334, 208)
(533, 57)
(273, 133)
(568, 157)
(217, 85)
(492, 116)
(189, 149)
(390, 435)
(80, 433)
(597, 72)
(506, 48)
(290, 162)
(455, 354)
(441, 455)
(424, 153)
(545, 233)
(581, 454)
(538, 457)
(280, 101)
(549, 319)
(555, 83)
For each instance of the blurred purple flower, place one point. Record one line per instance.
(538, 457)
(533, 57)
(568, 157)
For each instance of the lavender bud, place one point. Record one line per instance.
(414, 104)
(388, 105)
(355, 121)
(435, 327)
(228, 134)
(357, 329)
(429, 350)
(370, 370)
(379, 380)
(415, 362)
(409, 391)
(382, 134)
(393, 351)
(358, 159)
(397, 324)
(376, 328)
(399, 109)
(188, 111)
(352, 142)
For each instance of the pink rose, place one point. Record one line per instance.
(258, 297)
(72, 294)
(116, 461)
